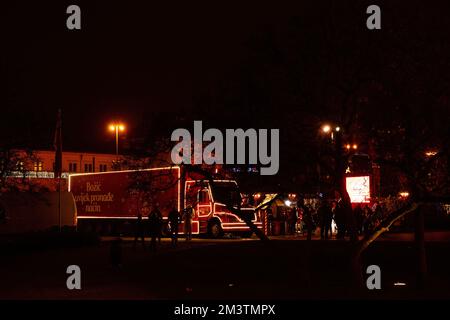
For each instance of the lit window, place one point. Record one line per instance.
(72, 167)
(37, 166)
(19, 166)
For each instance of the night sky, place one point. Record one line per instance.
(129, 60)
(134, 60)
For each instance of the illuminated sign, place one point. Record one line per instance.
(358, 189)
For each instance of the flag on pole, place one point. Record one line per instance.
(58, 146)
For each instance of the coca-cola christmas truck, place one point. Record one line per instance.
(108, 201)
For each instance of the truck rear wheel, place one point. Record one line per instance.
(215, 229)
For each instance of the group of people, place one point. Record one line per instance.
(365, 219)
(326, 215)
(305, 219)
(291, 219)
(155, 225)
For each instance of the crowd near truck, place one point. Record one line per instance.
(111, 201)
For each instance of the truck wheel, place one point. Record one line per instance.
(215, 229)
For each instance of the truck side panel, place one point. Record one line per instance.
(121, 194)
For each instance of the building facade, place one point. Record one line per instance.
(35, 170)
(43, 163)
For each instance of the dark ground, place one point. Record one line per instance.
(223, 269)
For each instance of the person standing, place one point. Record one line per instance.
(153, 226)
(307, 218)
(367, 226)
(269, 214)
(188, 215)
(339, 216)
(174, 220)
(325, 216)
(359, 215)
(293, 220)
(139, 231)
(158, 223)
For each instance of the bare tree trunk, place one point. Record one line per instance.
(341, 164)
(363, 244)
(258, 232)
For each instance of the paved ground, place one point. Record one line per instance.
(223, 269)
(432, 236)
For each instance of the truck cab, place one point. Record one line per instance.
(213, 201)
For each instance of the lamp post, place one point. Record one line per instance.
(116, 127)
(340, 163)
(326, 128)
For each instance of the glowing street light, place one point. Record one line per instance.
(116, 127)
(431, 153)
(349, 146)
(404, 194)
(326, 128)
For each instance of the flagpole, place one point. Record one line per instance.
(58, 163)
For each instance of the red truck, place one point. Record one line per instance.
(108, 200)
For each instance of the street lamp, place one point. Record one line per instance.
(326, 128)
(116, 127)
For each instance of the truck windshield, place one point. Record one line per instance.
(226, 193)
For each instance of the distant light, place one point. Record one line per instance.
(431, 153)
(338, 129)
(112, 127)
(326, 128)
(404, 194)
(288, 203)
(348, 146)
(121, 127)
(231, 284)
(399, 284)
(355, 146)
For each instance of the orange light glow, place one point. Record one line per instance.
(431, 153)
(326, 128)
(116, 126)
(347, 146)
(404, 194)
(355, 146)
